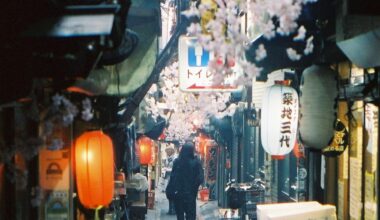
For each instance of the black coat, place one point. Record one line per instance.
(186, 177)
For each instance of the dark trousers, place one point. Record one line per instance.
(185, 205)
(171, 206)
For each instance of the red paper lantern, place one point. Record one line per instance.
(94, 167)
(298, 150)
(202, 144)
(145, 146)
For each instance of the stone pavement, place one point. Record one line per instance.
(205, 210)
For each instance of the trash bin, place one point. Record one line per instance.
(235, 198)
(204, 194)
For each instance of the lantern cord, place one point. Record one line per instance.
(118, 80)
(350, 73)
(97, 212)
(349, 113)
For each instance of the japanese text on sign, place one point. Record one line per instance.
(194, 75)
(286, 118)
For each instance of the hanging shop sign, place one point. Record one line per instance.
(302, 173)
(94, 169)
(371, 137)
(252, 117)
(54, 169)
(339, 142)
(279, 118)
(371, 128)
(211, 163)
(194, 75)
(318, 101)
(57, 206)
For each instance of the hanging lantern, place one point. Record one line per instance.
(318, 101)
(279, 120)
(145, 146)
(298, 150)
(94, 167)
(202, 144)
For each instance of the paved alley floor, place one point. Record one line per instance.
(205, 210)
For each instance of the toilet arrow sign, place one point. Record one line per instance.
(194, 75)
(195, 86)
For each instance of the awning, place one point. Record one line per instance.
(363, 50)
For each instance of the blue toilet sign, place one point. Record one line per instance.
(197, 55)
(194, 75)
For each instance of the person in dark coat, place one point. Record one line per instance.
(187, 174)
(168, 166)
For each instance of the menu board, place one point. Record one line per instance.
(371, 160)
(341, 200)
(371, 136)
(356, 155)
(345, 164)
(370, 211)
(369, 187)
(355, 189)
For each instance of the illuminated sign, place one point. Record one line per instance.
(54, 169)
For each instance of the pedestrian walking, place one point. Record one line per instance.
(168, 167)
(140, 183)
(186, 177)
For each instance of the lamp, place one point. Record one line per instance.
(145, 146)
(279, 120)
(318, 101)
(94, 169)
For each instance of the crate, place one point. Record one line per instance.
(252, 198)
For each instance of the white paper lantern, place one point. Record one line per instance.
(279, 119)
(318, 101)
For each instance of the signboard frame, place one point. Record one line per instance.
(194, 75)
